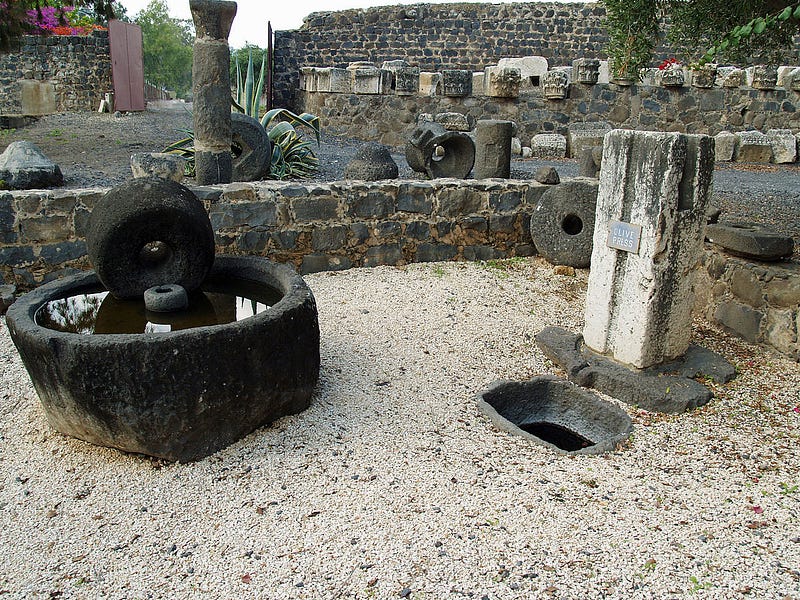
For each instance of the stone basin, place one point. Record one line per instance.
(557, 414)
(178, 395)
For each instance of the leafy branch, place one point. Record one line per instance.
(756, 27)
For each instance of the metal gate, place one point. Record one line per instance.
(127, 65)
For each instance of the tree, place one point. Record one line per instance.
(17, 17)
(167, 48)
(695, 28)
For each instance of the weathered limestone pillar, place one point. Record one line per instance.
(493, 149)
(212, 90)
(649, 229)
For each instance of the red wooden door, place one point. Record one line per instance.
(127, 65)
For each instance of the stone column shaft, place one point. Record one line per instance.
(493, 149)
(212, 90)
(639, 304)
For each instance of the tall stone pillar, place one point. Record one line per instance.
(648, 240)
(493, 149)
(211, 88)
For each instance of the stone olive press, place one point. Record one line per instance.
(180, 388)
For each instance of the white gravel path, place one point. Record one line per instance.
(393, 485)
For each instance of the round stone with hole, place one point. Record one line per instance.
(149, 232)
(562, 226)
(252, 150)
(166, 298)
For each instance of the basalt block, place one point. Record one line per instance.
(23, 166)
(179, 395)
(563, 223)
(669, 387)
(750, 240)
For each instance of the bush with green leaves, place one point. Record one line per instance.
(700, 31)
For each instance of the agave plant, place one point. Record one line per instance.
(292, 156)
(249, 91)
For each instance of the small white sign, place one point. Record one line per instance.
(624, 236)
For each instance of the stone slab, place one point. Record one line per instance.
(586, 135)
(668, 388)
(549, 145)
(725, 146)
(752, 147)
(531, 69)
(750, 240)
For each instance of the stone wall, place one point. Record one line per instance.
(437, 36)
(55, 74)
(390, 118)
(318, 227)
(757, 301)
(313, 226)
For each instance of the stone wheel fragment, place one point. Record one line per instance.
(252, 150)
(562, 226)
(148, 232)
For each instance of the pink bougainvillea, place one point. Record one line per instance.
(52, 20)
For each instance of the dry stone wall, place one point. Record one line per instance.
(757, 301)
(390, 118)
(314, 226)
(55, 74)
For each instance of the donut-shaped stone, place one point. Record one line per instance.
(166, 298)
(562, 226)
(251, 147)
(149, 232)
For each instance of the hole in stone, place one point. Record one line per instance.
(558, 435)
(572, 224)
(163, 290)
(556, 413)
(154, 252)
(438, 153)
(534, 80)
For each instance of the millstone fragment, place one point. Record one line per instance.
(563, 224)
(253, 146)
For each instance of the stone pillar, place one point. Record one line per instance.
(212, 90)
(649, 229)
(493, 149)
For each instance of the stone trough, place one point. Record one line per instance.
(181, 394)
(557, 414)
(166, 350)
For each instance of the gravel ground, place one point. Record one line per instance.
(393, 485)
(94, 150)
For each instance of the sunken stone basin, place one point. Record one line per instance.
(179, 394)
(556, 413)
